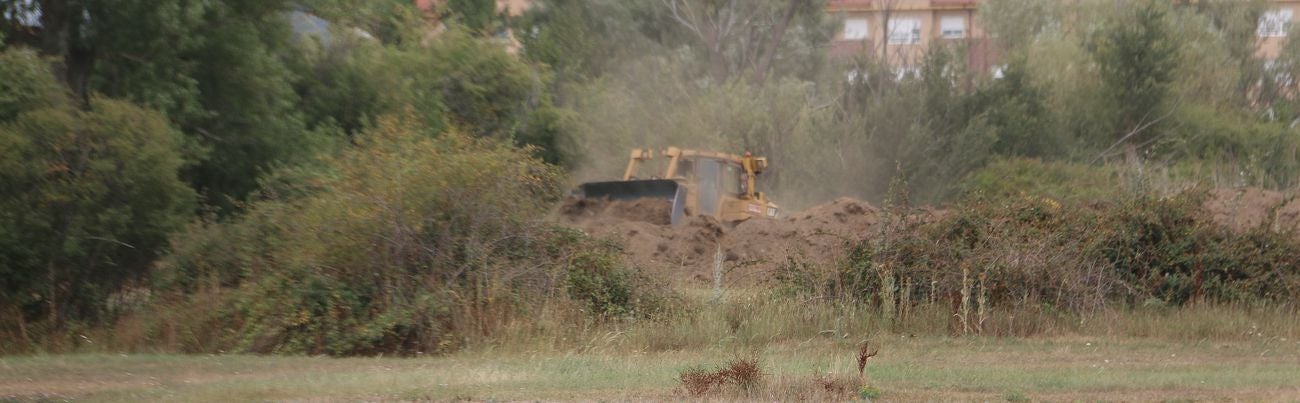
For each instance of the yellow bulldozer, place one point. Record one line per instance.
(714, 184)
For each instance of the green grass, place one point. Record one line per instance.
(1198, 352)
(906, 369)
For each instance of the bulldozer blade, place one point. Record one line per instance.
(663, 189)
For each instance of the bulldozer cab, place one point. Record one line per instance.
(714, 180)
(696, 182)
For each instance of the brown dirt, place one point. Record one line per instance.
(1246, 208)
(751, 250)
(1288, 217)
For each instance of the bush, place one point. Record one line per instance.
(1039, 253)
(408, 243)
(744, 373)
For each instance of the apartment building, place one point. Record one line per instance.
(900, 31)
(1274, 26)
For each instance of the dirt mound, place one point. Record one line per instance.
(1243, 209)
(754, 250)
(751, 250)
(1288, 217)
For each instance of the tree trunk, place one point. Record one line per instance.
(62, 24)
(52, 300)
(717, 61)
(774, 42)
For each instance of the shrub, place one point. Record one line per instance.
(408, 243)
(1064, 259)
(744, 373)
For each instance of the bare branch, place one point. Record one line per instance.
(1141, 127)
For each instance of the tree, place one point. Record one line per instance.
(477, 15)
(1235, 24)
(583, 39)
(216, 70)
(26, 83)
(1015, 23)
(90, 196)
(392, 22)
(1137, 58)
(749, 37)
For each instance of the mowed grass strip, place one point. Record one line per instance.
(906, 369)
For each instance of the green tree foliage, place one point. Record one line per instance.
(962, 127)
(477, 15)
(483, 88)
(1016, 23)
(216, 69)
(458, 80)
(346, 84)
(90, 196)
(26, 83)
(393, 22)
(582, 39)
(1137, 58)
(1233, 29)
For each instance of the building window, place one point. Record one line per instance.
(952, 27)
(856, 29)
(1275, 23)
(904, 31)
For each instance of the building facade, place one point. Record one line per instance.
(898, 32)
(1274, 27)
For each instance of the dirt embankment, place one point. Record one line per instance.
(751, 250)
(1242, 209)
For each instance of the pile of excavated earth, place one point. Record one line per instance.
(1242, 209)
(749, 251)
(752, 251)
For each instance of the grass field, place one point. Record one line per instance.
(924, 368)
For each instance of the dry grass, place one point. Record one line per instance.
(865, 353)
(743, 373)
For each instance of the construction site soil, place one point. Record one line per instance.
(750, 252)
